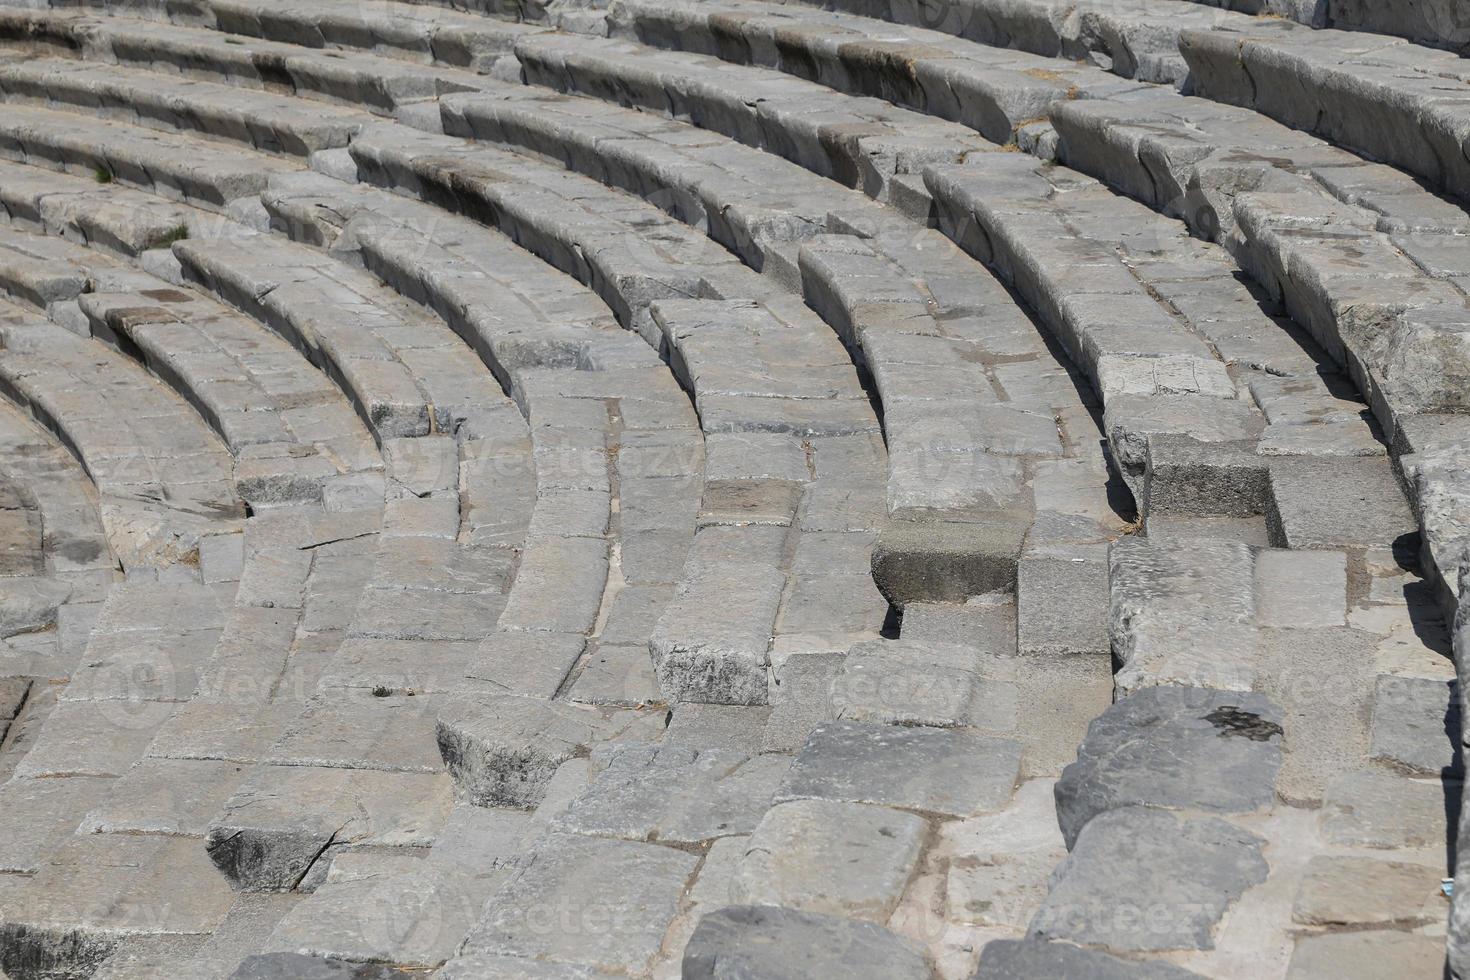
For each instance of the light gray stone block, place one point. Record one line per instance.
(671, 796)
(833, 858)
(933, 770)
(711, 643)
(1417, 725)
(611, 901)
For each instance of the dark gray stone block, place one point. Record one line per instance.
(1174, 747)
(762, 942)
(1014, 959)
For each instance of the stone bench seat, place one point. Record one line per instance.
(413, 32)
(265, 121)
(406, 373)
(117, 219)
(374, 83)
(176, 167)
(1117, 135)
(166, 483)
(513, 309)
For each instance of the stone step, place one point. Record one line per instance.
(365, 81)
(292, 434)
(734, 193)
(1380, 96)
(283, 421)
(264, 121)
(56, 566)
(862, 143)
(411, 31)
(513, 309)
(1000, 93)
(405, 372)
(819, 47)
(585, 392)
(116, 219)
(1266, 331)
(173, 167)
(404, 33)
(1341, 79)
(1129, 42)
(578, 132)
(1251, 338)
(482, 116)
(165, 481)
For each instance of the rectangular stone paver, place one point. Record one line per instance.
(836, 858)
(949, 771)
(598, 903)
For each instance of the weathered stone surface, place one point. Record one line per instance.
(675, 796)
(939, 561)
(479, 966)
(124, 884)
(711, 643)
(1179, 878)
(1188, 478)
(295, 966)
(1011, 959)
(1416, 725)
(1366, 955)
(52, 810)
(268, 834)
(610, 900)
(1360, 891)
(771, 943)
(502, 750)
(166, 796)
(1174, 747)
(1322, 678)
(529, 662)
(1301, 589)
(1062, 601)
(413, 912)
(912, 682)
(935, 770)
(800, 700)
(834, 858)
(1182, 613)
(1337, 503)
(1379, 809)
(1000, 864)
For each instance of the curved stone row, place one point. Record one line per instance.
(187, 52)
(1110, 122)
(1250, 339)
(57, 569)
(1387, 97)
(737, 512)
(739, 236)
(1428, 685)
(165, 483)
(257, 692)
(1149, 143)
(279, 417)
(927, 749)
(1437, 23)
(115, 681)
(253, 853)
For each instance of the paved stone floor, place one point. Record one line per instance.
(733, 489)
